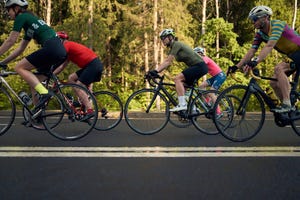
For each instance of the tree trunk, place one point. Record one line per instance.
(218, 34)
(90, 24)
(295, 15)
(48, 12)
(203, 19)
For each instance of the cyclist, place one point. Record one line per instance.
(217, 75)
(51, 51)
(87, 60)
(277, 35)
(182, 53)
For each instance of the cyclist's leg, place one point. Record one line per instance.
(282, 86)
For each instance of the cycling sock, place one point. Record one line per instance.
(41, 89)
(181, 100)
(287, 102)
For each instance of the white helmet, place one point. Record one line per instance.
(260, 11)
(166, 32)
(199, 50)
(9, 3)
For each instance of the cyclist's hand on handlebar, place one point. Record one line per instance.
(249, 66)
(153, 73)
(231, 70)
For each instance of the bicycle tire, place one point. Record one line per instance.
(240, 127)
(204, 119)
(137, 117)
(7, 111)
(68, 115)
(110, 110)
(295, 123)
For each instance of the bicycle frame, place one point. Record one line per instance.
(4, 84)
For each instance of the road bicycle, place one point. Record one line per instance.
(110, 107)
(57, 116)
(147, 112)
(249, 110)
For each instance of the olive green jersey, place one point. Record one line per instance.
(184, 53)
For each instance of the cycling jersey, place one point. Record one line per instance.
(34, 27)
(288, 40)
(184, 53)
(213, 68)
(79, 54)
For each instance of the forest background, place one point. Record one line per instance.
(125, 34)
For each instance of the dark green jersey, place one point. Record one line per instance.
(184, 53)
(34, 27)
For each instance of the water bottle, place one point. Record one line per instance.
(25, 98)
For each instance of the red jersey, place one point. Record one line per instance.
(79, 54)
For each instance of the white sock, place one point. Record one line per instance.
(181, 100)
(287, 102)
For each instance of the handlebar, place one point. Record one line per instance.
(253, 73)
(152, 80)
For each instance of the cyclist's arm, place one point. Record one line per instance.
(18, 51)
(266, 50)
(167, 62)
(249, 55)
(9, 42)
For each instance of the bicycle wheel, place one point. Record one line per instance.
(202, 105)
(7, 111)
(175, 118)
(146, 111)
(239, 125)
(110, 110)
(64, 115)
(295, 115)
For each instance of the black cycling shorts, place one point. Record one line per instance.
(194, 72)
(52, 53)
(91, 72)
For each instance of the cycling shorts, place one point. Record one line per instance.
(217, 80)
(92, 72)
(194, 72)
(52, 53)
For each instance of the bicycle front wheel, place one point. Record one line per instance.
(243, 117)
(202, 105)
(7, 111)
(110, 110)
(146, 111)
(65, 116)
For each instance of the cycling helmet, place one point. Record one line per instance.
(9, 3)
(260, 11)
(199, 50)
(62, 35)
(166, 33)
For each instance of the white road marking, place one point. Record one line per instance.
(157, 151)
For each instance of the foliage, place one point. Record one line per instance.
(117, 30)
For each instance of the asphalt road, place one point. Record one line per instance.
(172, 164)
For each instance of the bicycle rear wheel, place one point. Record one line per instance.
(7, 111)
(202, 105)
(110, 110)
(146, 111)
(239, 125)
(63, 116)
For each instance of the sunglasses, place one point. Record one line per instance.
(254, 18)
